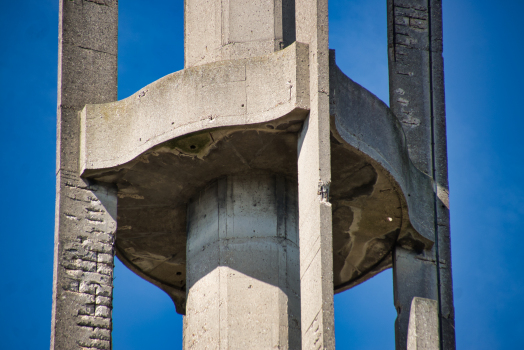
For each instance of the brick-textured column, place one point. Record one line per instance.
(85, 211)
(417, 98)
(314, 178)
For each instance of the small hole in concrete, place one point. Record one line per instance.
(178, 273)
(192, 146)
(242, 105)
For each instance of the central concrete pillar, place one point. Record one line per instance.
(218, 30)
(243, 269)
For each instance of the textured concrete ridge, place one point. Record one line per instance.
(417, 99)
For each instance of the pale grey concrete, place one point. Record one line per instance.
(85, 211)
(233, 29)
(423, 332)
(417, 98)
(314, 179)
(243, 265)
(220, 94)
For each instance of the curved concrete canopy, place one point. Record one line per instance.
(167, 141)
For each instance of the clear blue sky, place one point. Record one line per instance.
(484, 73)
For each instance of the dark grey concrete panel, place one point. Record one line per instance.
(417, 99)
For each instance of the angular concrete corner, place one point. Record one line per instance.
(423, 330)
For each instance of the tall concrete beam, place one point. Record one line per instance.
(85, 211)
(314, 178)
(417, 98)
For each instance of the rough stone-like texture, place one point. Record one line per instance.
(85, 211)
(417, 98)
(243, 265)
(423, 332)
(314, 179)
(218, 30)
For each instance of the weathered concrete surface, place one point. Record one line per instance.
(85, 212)
(229, 93)
(314, 179)
(155, 188)
(417, 98)
(423, 332)
(393, 203)
(244, 121)
(243, 265)
(379, 198)
(233, 29)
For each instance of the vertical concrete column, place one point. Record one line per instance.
(85, 212)
(230, 29)
(314, 178)
(243, 265)
(417, 98)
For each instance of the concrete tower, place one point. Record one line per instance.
(255, 183)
